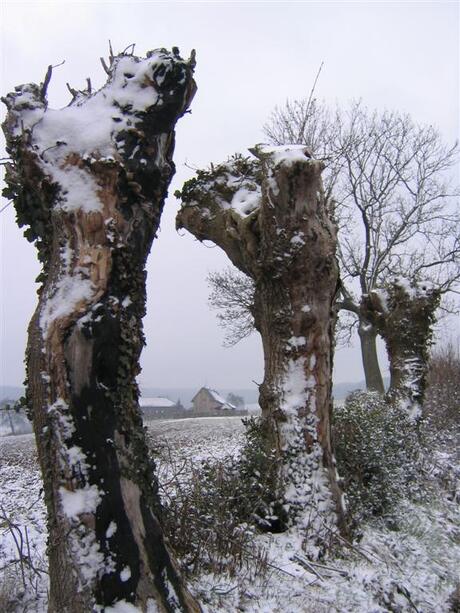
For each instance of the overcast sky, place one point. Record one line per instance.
(251, 56)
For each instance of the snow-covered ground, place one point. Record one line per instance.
(413, 568)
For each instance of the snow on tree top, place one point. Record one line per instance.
(92, 126)
(234, 184)
(287, 154)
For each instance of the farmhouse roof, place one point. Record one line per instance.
(156, 403)
(215, 396)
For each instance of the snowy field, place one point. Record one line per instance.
(414, 568)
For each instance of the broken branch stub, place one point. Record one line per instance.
(89, 182)
(270, 217)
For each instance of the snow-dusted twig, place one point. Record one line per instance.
(306, 564)
(22, 544)
(302, 560)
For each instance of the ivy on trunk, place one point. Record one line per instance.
(269, 216)
(404, 315)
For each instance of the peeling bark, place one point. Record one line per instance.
(270, 218)
(90, 182)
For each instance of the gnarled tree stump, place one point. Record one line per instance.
(90, 182)
(270, 217)
(404, 314)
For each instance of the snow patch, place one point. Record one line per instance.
(297, 341)
(298, 239)
(245, 200)
(68, 293)
(125, 574)
(77, 502)
(78, 188)
(286, 154)
(111, 530)
(122, 606)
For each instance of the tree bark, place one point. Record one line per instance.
(404, 315)
(368, 341)
(286, 243)
(90, 182)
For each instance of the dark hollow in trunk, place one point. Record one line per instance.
(90, 182)
(270, 218)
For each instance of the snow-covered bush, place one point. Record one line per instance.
(378, 455)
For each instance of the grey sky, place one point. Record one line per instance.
(251, 57)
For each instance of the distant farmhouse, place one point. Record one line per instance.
(208, 402)
(162, 408)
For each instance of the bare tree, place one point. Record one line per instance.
(443, 388)
(232, 296)
(269, 216)
(389, 178)
(89, 182)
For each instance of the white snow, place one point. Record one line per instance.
(59, 411)
(297, 341)
(125, 607)
(68, 293)
(77, 459)
(298, 239)
(125, 574)
(79, 501)
(295, 387)
(111, 530)
(421, 559)
(79, 189)
(87, 128)
(286, 154)
(246, 201)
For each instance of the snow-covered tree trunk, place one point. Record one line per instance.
(404, 314)
(269, 216)
(90, 181)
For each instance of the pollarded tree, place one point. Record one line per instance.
(269, 216)
(404, 315)
(90, 182)
(389, 178)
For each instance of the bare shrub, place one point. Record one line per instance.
(213, 509)
(22, 575)
(442, 400)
